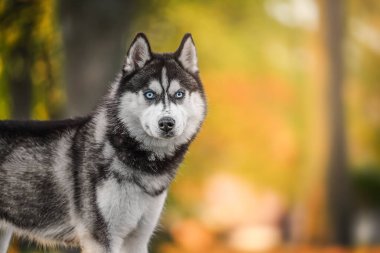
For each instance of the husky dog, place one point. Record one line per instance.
(100, 181)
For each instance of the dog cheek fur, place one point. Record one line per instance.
(179, 113)
(195, 108)
(149, 119)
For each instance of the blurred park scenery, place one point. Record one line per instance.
(288, 159)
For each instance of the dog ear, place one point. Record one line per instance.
(138, 54)
(187, 55)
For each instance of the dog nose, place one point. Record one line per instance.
(166, 124)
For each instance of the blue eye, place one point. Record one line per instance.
(179, 94)
(150, 95)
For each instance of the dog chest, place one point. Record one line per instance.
(123, 205)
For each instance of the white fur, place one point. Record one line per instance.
(174, 87)
(188, 56)
(155, 86)
(157, 182)
(113, 87)
(130, 213)
(87, 243)
(165, 80)
(5, 239)
(165, 84)
(108, 150)
(61, 164)
(194, 105)
(100, 126)
(138, 241)
(150, 117)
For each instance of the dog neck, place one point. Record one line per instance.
(135, 156)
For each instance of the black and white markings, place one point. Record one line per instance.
(101, 181)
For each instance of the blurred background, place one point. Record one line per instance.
(288, 159)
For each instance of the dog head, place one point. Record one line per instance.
(160, 96)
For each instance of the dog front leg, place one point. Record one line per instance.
(5, 238)
(91, 246)
(136, 244)
(137, 241)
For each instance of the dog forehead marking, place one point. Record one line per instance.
(155, 86)
(174, 86)
(164, 79)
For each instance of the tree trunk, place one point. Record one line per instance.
(339, 197)
(323, 211)
(94, 35)
(19, 55)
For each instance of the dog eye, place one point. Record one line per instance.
(150, 95)
(179, 94)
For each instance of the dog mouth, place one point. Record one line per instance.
(167, 135)
(162, 135)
